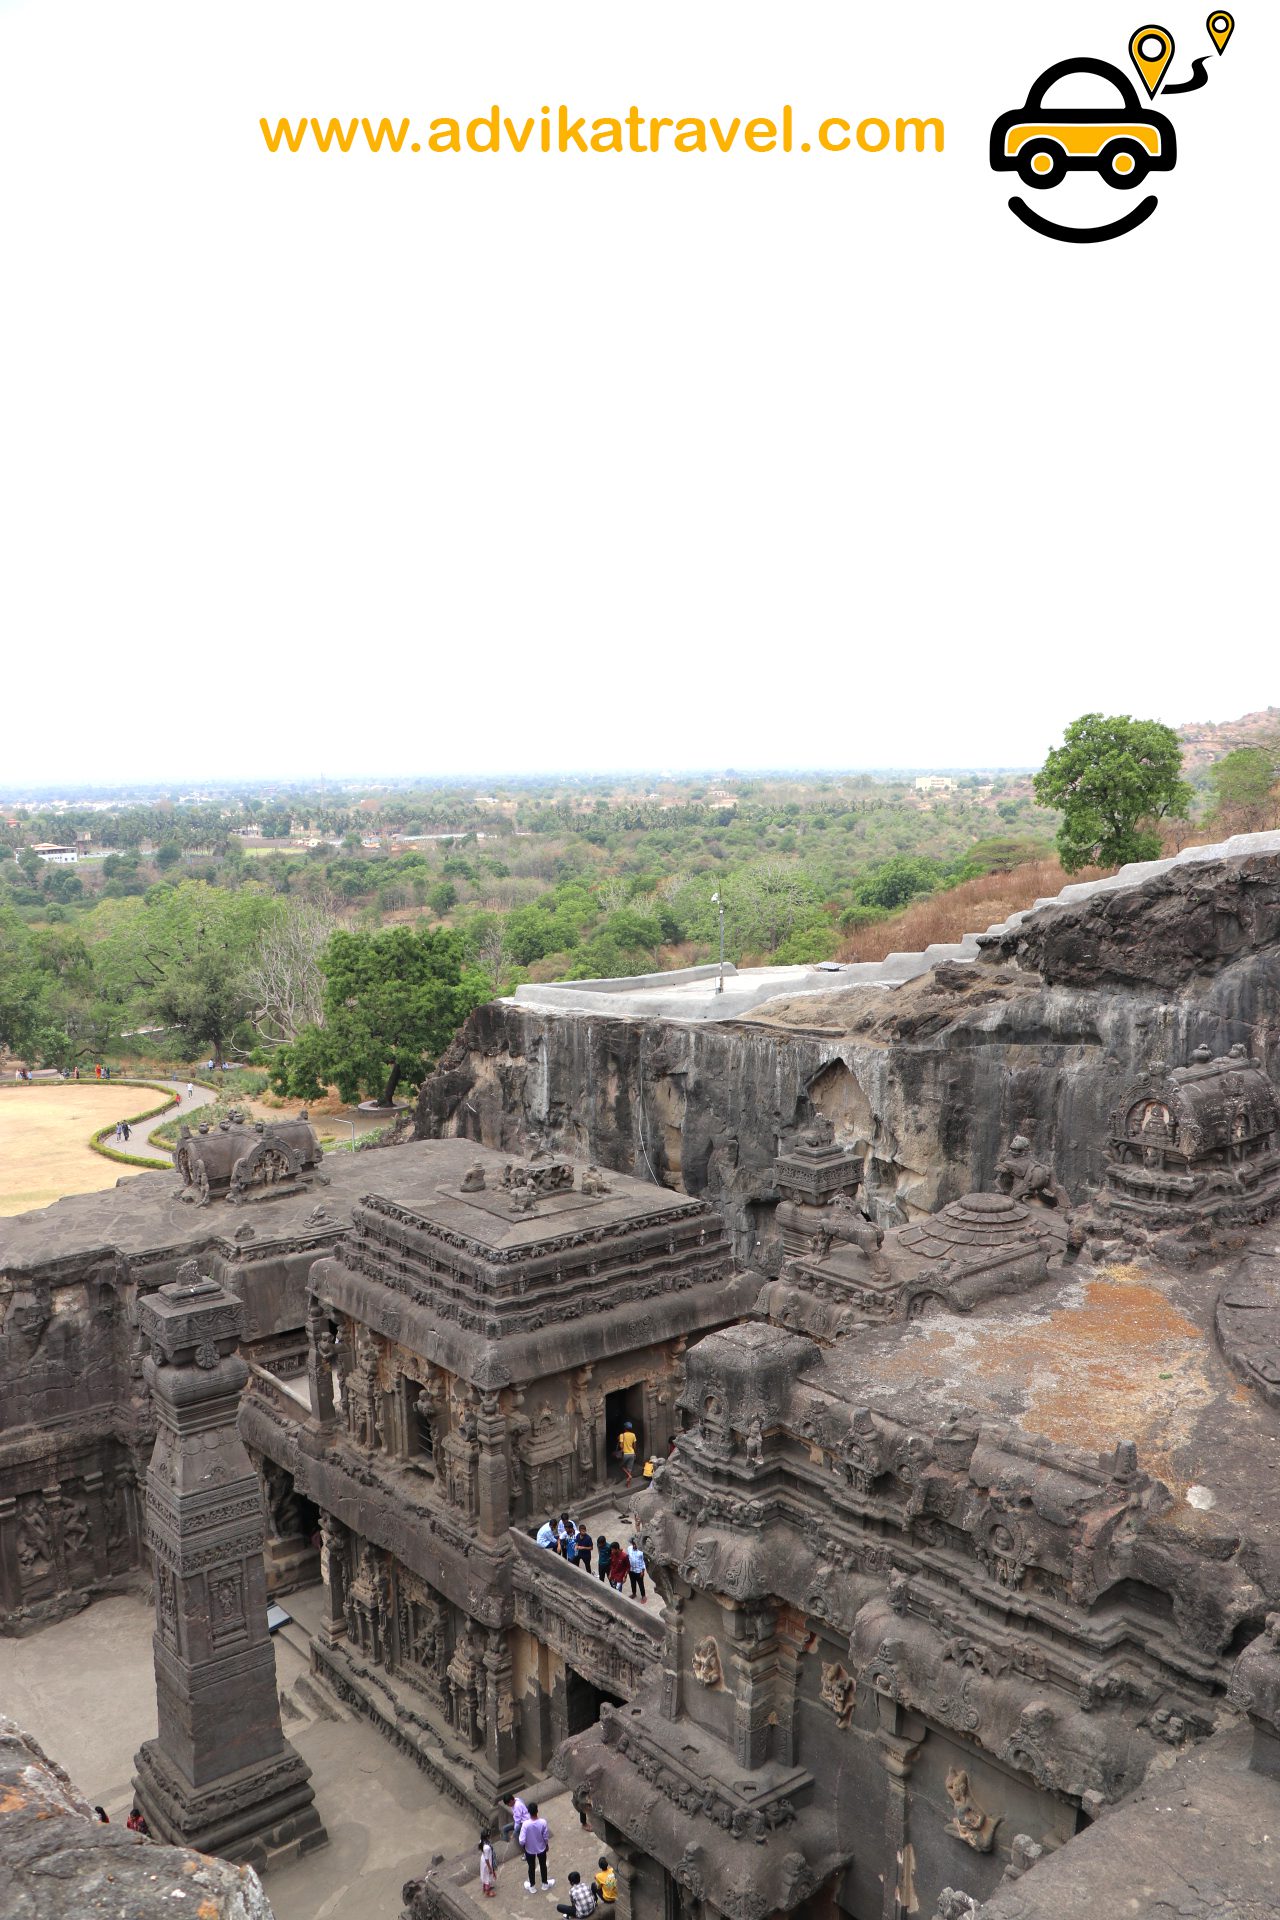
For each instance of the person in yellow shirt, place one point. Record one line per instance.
(649, 1467)
(606, 1882)
(627, 1450)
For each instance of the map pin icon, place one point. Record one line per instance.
(1151, 50)
(1221, 27)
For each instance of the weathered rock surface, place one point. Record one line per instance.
(1187, 921)
(58, 1863)
(930, 1081)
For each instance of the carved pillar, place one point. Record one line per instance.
(493, 1495)
(321, 1348)
(501, 1732)
(673, 1658)
(791, 1636)
(752, 1663)
(898, 1751)
(334, 1573)
(221, 1777)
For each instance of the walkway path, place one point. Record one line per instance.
(140, 1140)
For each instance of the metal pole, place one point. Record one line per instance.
(720, 977)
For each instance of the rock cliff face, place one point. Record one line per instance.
(58, 1863)
(932, 1079)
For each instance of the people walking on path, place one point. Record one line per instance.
(636, 1570)
(124, 1129)
(582, 1547)
(602, 1557)
(618, 1568)
(582, 1899)
(191, 1092)
(519, 1814)
(627, 1451)
(488, 1866)
(534, 1837)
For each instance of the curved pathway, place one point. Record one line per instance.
(140, 1140)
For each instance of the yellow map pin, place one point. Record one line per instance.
(1151, 50)
(1221, 27)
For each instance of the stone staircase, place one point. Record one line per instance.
(690, 994)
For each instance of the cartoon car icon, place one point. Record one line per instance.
(1043, 145)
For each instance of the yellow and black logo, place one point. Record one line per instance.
(1121, 141)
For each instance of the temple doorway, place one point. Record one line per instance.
(583, 1701)
(626, 1404)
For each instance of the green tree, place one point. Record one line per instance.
(392, 1003)
(1244, 785)
(892, 883)
(180, 958)
(1111, 778)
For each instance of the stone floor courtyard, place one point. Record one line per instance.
(85, 1689)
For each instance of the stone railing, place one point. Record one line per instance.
(603, 1636)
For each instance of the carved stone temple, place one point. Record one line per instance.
(475, 1349)
(950, 1307)
(220, 1776)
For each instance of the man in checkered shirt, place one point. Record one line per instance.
(583, 1899)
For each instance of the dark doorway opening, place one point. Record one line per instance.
(627, 1404)
(583, 1701)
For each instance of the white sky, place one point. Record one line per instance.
(432, 464)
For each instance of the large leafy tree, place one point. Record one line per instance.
(392, 1003)
(1113, 777)
(180, 957)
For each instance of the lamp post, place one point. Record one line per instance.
(720, 976)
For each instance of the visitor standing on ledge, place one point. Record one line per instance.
(617, 1567)
(602, 1557)
(582, 1547)
(488, 1867)
(534, 1835)
(582, 1899)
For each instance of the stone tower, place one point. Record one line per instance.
(221, 1776)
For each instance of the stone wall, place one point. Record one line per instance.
(931, 1080)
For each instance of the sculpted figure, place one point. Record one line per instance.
(706, 1663)
(846, 1223)
(35, 1542)
(473, 1179)
(968, 1822)
(1023, 1177)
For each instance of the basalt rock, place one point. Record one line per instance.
(58, 1863)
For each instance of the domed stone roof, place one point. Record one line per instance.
(983, 1222)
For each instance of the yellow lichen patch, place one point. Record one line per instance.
(12, 1801)
(1115, 1361)
(207, 1910)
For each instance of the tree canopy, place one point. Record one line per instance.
(1112, 778)
(392, 1003)
(1244, 784)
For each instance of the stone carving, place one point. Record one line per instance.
(35, 1539)
(473, 1179)
(839, 1691)
(594, 1182)
(1020, 1175)
(705, 1663)
(968, 1821)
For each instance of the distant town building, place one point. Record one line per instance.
(934, 783)
(58, 855)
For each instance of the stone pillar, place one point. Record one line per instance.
(221, 1777)
(791, 1635)
(1255, 1687)
(753, 1665)
(334, 1566)
(501, 1729)
(493, 1495)
(321, 1348)
(898, 1751)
